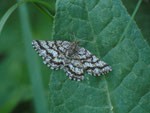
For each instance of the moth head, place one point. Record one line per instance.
(78, 41)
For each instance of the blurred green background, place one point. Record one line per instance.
(16, 94)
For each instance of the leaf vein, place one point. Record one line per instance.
(139, 101)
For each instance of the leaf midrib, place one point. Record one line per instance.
(94, 40)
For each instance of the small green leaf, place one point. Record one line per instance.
(102, 23)
(11, 10)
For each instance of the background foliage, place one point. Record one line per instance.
(16, 94)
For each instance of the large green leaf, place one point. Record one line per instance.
(102, 23)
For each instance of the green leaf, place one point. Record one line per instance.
(14, 82)
(12, 9)
(102, 23)
(142, 17)
(33, 65)
(15, 87)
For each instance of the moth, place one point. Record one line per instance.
(70, 57)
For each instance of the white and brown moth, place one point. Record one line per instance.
(70, 57)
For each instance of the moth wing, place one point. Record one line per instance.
(91, 64)
(74, 70)
(51, 52)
